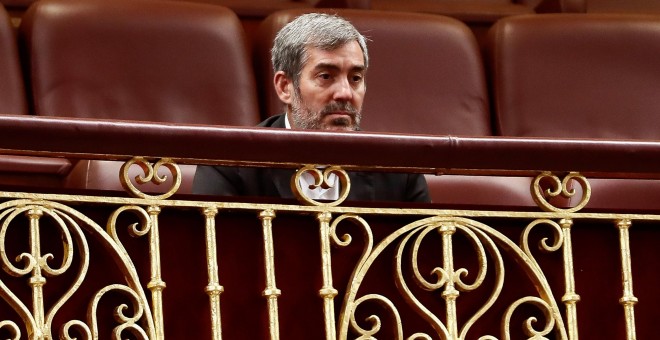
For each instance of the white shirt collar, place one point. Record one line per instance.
(307, 179)
(286, 121)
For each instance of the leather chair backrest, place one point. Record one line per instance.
(425, 75)
(581, 76)
(19, 170)
(139, 60)
(576, 75)
(12, 87)
(161, 61)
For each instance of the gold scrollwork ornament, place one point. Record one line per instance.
(11, 327)
(150, 175)
(322, 180)
(560, 188)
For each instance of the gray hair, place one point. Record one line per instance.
(319, 30)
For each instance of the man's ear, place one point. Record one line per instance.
(283, 87)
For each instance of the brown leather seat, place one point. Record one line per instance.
(12, 88)
(425, 76)
(580, 76)
(21, 170)
(130, 60)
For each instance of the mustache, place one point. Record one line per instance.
(339, 106)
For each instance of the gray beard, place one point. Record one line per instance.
(304, 118)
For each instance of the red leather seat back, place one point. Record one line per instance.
(12, 88)
(581, 76)
(139, 60)
(162, 61)
(18, 170)
(572, 75)
(425, 74)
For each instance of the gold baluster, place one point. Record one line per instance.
(156, 285)
(37, 281)
(628, 300)
(451, 293)
(570, 298)
(328, 292)
(213, 289)
(271, 293)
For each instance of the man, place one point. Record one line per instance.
(320, 63)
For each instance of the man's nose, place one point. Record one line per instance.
(343, 91)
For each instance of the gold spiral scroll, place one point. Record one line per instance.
(150, 175)
(321, 179)
(12, 327)
(560, 188)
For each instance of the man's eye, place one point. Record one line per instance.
(324, 76)
(357, 78)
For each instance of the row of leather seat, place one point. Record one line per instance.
(468, 10)
(561, 75)
(479, 15)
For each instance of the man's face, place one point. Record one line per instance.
(331, 90)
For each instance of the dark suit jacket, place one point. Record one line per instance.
(365, 186)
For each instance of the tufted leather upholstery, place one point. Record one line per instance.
(580, 76)
(138, 60)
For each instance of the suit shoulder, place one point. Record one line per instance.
(273, 121)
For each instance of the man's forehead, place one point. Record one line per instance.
(326, 58)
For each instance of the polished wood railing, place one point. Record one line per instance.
(137, 265)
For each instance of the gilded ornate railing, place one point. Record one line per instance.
(421, 280)
(150, 266)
